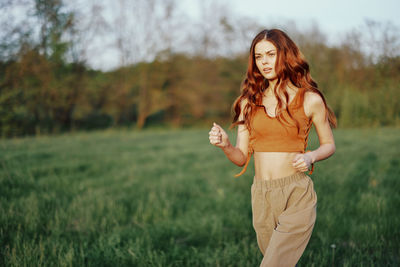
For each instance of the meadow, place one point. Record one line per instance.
(169, 198)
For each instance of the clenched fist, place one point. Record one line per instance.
(302, 162)
(218, 137)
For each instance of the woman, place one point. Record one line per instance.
(278, 104)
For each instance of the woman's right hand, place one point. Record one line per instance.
(218, 137)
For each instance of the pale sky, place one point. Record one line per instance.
(332, 16)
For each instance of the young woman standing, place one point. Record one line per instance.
(279, 102)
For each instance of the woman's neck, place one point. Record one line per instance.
(271, 84)
(271, 87)
(290, 88)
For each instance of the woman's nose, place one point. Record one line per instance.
(264, 60)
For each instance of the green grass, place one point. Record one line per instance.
(168, 198)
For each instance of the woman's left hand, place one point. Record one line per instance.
(302, 162)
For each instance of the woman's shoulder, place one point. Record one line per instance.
(313, 97)
(313, 102)
(243, 102)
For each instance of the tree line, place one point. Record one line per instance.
(48, 86)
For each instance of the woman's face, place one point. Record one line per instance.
(265, 57)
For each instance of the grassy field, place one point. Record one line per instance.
(168, 198)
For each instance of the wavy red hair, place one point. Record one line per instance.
(290, 66)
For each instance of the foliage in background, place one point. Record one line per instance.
(47, 86)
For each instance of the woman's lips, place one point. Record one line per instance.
(267, 70)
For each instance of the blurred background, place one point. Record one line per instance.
(82, 185)
(80, 65)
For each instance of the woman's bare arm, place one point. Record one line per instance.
(314, 107)
(237, 154)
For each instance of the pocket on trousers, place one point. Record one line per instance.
(298, 221)
(300, 195)
(258, 207)
(304, 183)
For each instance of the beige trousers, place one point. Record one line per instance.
(284, 213)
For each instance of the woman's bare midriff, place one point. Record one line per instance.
(273, 165)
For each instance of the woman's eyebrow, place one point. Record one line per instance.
(269, 51)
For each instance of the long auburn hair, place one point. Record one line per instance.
(290, 66)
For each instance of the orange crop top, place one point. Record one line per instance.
(270, 135)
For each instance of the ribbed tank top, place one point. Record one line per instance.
(268, 134)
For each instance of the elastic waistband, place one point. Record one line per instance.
(280, 182)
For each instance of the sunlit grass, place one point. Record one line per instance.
(168, 198)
